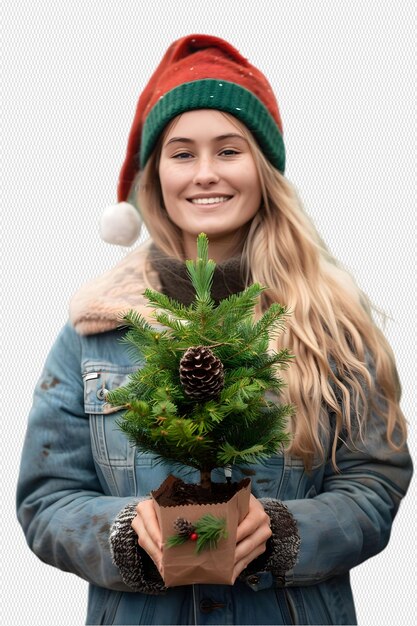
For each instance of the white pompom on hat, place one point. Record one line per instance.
(120, 224)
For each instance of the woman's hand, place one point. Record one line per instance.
(146, 526)
(252, 535)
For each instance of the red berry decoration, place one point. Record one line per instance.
(193, 536)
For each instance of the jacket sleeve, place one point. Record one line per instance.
(344, 521)
(350, 519)
(60, 503)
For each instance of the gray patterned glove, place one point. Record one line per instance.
(283, 546)
(136, 567)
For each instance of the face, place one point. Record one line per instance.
(209, 180)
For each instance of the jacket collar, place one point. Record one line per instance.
(99, 305)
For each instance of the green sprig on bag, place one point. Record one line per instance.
(206, 532)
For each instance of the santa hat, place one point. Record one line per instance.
(196, 72)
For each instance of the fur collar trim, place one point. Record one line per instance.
(99, 304)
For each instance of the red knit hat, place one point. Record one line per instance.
(197, 72)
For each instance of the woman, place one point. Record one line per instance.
(206, 154)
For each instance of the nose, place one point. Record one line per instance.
(205, 172)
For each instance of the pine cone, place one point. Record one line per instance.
(183, 528)
(201, 373)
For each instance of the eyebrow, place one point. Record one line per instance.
(219, 138)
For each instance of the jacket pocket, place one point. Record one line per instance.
(114, 455)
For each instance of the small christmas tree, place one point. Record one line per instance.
(200, 398)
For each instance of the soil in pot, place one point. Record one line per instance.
(174, 492)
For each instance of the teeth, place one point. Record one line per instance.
(209, 200)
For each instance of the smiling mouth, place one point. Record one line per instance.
(205, 201)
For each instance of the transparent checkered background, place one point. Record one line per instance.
(344, 77)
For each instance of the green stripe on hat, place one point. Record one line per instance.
(224, 96)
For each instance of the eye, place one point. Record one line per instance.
(182, 155)
(229, 152)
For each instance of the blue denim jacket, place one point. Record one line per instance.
(78, 471)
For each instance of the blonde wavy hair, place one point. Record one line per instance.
(344, 368)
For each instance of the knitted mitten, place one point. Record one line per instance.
(282, 547)
(137, 569)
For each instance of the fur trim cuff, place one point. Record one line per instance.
(137, 569)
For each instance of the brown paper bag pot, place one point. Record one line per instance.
(182, 565)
